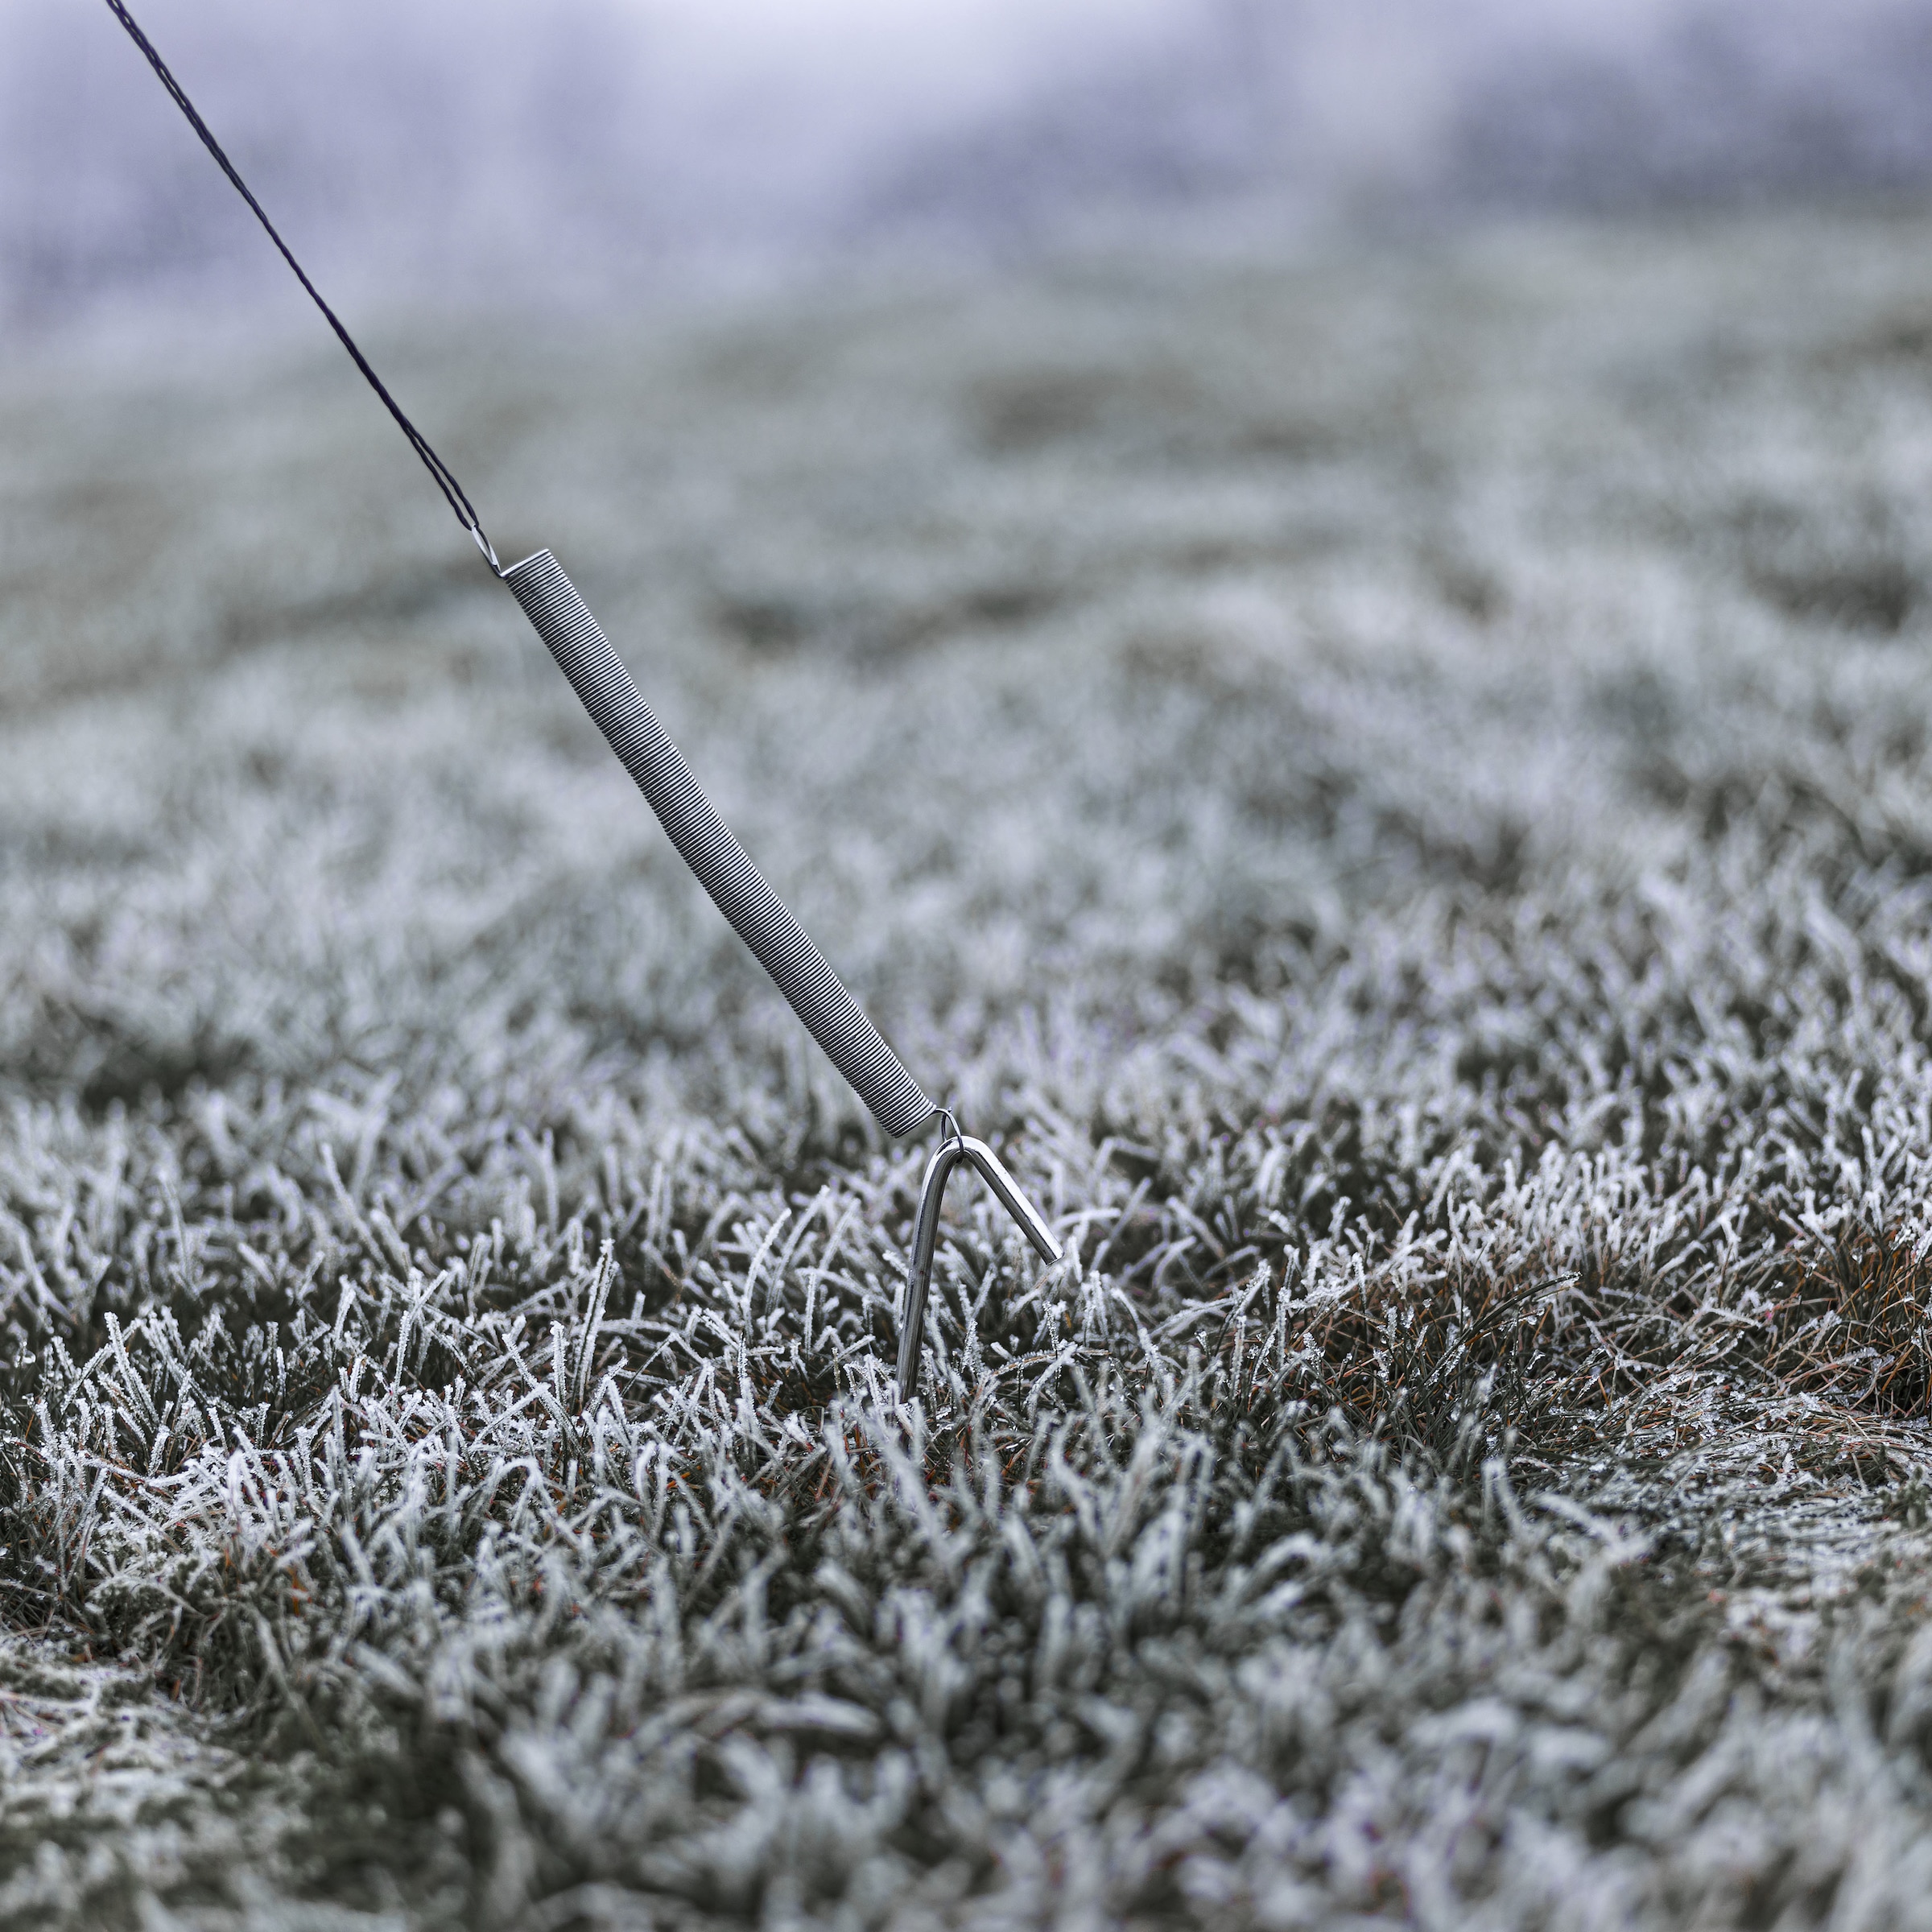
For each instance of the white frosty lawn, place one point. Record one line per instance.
(1394, 789)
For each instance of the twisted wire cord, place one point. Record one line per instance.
(452, 490)
(564, 621)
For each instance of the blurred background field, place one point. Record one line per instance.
(1088, 640)
(1354, 692)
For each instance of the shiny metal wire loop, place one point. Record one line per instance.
(926, 1234)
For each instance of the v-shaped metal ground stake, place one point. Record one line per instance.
(926, 1234)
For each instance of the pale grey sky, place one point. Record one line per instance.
(498, 148)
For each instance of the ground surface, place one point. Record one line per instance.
(1395, 789)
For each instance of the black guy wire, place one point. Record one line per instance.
(452, 490)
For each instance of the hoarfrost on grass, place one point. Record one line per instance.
(1394, 789)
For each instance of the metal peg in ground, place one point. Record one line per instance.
(926, 1234)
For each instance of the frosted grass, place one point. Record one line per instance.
(1395, 792)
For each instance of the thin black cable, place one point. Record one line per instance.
(452, 490)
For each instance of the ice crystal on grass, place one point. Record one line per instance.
(1432, 912)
